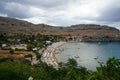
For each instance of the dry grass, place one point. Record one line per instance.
(16, 55)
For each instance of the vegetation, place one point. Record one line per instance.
(20, 71)
(108, 71)
(32, 41)
(11, 51)
(72, 63)
(6, 60)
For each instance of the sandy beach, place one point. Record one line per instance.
(49, 54)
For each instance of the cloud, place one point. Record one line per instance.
(35, 20)
(4, 15)
(63, 12)
(13, 9)
(41, 3)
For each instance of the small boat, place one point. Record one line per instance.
(76, 56)
(96, 58)
(100, 62)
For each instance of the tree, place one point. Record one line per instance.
(72, 63)
(71, 75)
(11, 51)
(30, 46)
(113, 68)
(108, 71)
(14, 71)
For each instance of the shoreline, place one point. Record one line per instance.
(49, 56)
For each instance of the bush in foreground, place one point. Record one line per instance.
(20, 71)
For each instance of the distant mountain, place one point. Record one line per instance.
(82, 32)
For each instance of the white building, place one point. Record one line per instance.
(4, 45)
(48, 42)
(34, 49)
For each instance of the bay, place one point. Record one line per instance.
(89, 54)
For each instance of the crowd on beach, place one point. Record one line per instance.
(49, 54)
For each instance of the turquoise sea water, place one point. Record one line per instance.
(88, 54)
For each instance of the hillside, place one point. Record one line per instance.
(82, 32)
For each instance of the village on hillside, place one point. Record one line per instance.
(28, 49)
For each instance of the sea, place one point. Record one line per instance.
(89, 54)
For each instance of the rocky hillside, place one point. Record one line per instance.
(82, 32)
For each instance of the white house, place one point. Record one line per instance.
(19, 46)
(48, 42)
(34, 49)
(4, 45)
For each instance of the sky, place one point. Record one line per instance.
(63, 12)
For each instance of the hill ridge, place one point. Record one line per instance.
(86, 32)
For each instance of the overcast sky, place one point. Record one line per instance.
(63, 12)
